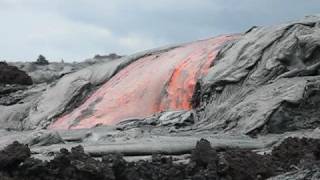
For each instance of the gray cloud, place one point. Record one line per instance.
(77, 29)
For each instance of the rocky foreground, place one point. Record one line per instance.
(255, 97)
(299, 157)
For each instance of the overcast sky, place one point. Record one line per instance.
(78, 29)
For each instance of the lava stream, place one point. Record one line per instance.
(155, 83)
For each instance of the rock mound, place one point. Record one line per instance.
(12, 75)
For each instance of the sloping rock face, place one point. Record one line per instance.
(266, 82)
(152, 84)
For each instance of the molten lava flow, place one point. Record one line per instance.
(152, 84)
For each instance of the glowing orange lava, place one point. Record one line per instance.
(152, 84)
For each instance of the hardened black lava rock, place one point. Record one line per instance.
(74, 165)
(296, 153)
(13, 155)
(12, 75)
(206, 163)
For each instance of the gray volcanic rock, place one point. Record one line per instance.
(11, 94)
(48, 73)
(304, 174)
(264, 79)
(14, 106)
(45, 139)
(52, 71)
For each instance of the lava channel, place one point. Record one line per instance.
(152, 84)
